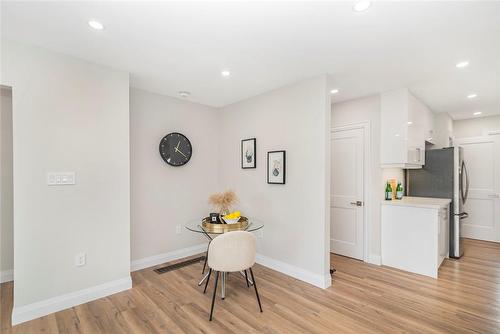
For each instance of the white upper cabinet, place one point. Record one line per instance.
(406, 125)
(429, 128)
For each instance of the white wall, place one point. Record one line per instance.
(163, 196)
(6, 186)
(358, 111)
(296, 119)
(68, 115)
(475, 127)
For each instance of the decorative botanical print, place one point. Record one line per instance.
(276, 161)
(248, 153)
(276, 167)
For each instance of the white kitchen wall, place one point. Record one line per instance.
(162, 196)
(6, 186)
(68, 115)
(295, 118)
(475, 127)
(357, 111)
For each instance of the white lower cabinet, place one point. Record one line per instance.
(415, 234)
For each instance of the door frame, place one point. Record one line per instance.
(367, 180)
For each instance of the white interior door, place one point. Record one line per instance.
(346, 207)
(482, 160)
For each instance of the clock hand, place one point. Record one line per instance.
(177, 147)
(179, 151)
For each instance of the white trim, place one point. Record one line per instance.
(35, 310)
(375, 259)
(320, 281)
(473, 140)
(367, 177)
(6, 276)
(166, 257)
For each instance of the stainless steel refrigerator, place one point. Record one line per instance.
(444, 176)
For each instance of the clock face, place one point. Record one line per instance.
(175, 149)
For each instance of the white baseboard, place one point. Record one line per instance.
(28, 312)
(6, 276)
(321, 281)
(166, 257)
(375, 259)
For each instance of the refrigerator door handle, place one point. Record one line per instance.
(465, 192)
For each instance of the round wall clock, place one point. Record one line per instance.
(175, 149)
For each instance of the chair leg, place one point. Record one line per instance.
(208, 279)
(246, 279)
(215, 292)
(256, 292)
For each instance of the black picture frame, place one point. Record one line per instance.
(272, 179)
(246, 164)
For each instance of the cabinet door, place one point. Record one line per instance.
(394, 127)
(416, 131)
(429, 124)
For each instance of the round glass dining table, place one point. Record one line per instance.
(196, 226)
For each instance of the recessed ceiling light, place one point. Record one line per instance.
(96, 25)
(184, 94)
(334, 91)
(471, 96)
(462, 64)
(361, 6)
(225, 73)
(410, 122)
(477, 113)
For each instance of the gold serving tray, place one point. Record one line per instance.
(242, 224)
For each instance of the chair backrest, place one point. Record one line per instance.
(232, 251)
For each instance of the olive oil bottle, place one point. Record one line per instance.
(399, 191)
(388, 192)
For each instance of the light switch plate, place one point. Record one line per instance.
(60, 179)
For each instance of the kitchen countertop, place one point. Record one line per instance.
(420, 202)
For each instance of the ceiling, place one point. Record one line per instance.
(182, 46)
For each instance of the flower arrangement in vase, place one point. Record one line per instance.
(223, 201)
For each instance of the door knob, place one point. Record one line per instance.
(357, 203)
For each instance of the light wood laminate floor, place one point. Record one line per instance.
(362, 299)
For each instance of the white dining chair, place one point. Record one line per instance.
(232, 252)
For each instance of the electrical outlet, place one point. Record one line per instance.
(178, 229)
(80, 259)
(59, 179)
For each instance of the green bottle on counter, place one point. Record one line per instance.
(399, 191)
(388, 192)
